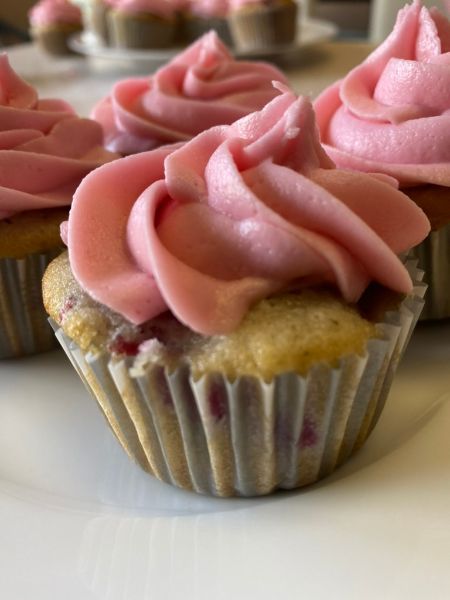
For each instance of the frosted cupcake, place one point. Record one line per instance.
(201, 87)
(142, 24)
(216, 301)
(391, 115)
(52, 23)
(45, 151)
(257, 24)
(199, 16)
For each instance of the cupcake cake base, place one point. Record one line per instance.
(261, 26)
(53, 39)
(29, 241)
(246, 436)
(140, 30)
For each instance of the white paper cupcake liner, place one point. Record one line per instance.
(433, 256)
(247, 437)
(24, 325)
(54, 39)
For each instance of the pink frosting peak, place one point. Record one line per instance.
(392, 113)
(201, 87)
(49, 12)
(208, 227)
(45, 149)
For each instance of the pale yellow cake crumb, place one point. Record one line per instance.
(63, 298)
(31, 232)
(289, 332)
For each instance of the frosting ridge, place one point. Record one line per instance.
(45, 149)
(209, 227)
(201, 87)
(392, 113)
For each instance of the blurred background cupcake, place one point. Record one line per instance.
(216, 301)
(391, 115)
(199, 16)
(257, 24)
(52, 23)
(201, 87)
(46, 150)
(142, 24)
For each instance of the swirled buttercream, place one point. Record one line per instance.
(392, 113)
(45, 149)
(201, 87)
(49, 12)
(207, 228)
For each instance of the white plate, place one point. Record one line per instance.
(311, 31)
(78, 521)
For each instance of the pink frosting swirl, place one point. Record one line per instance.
(207, 228)
(202, 87)
(162, 8)
(392, 113)
(49, 12)
(45, 149)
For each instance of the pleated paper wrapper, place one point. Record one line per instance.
(24, 327)
(433, 256)
(247, 437)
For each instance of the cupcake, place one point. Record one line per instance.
(142, 24)
(201, 87)
(261, 24)
(200, 16)
(52, 23)
(45, 151)
(391, 115)
(235, 303)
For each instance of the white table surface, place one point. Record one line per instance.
(78, 521)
